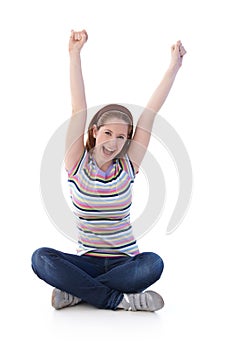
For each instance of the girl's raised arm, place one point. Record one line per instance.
(75, 133)
(144, 126)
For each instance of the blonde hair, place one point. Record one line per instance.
(101, 118)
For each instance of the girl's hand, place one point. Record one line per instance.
(177, 53)
(77, 40)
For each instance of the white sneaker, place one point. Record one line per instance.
(146, 301)
(62, 299)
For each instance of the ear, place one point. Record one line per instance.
(95, 131)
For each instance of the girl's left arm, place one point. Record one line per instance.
(144, 126)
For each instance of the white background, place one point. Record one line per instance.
(126, 55)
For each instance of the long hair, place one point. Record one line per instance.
(101, 118)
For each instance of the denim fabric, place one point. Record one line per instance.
(98, 281)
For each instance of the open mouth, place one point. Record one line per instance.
(108, 152)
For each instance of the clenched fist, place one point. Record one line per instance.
(77, 40)
(177, 52)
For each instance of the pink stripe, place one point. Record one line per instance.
(99, 243)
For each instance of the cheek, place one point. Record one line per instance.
(121, 143)
(99, 139)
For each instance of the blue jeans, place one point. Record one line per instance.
(98, 281)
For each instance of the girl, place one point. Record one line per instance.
(108, 270)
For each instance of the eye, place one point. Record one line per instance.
(121, 137)
(107, 133)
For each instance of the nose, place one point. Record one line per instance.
(113, 142)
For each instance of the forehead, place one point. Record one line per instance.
(116, 124)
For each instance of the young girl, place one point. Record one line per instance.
(108, 270)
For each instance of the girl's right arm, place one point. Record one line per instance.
(75, 133)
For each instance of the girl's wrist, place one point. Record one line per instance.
(173, 68)
(74, 54)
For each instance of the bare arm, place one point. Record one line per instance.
(144, 126)
(75, 132)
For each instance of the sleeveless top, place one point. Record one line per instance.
(101, 205)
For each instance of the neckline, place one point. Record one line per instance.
(99, 170)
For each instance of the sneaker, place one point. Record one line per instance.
(62, 299)
(147, 301)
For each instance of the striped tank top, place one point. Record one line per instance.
(101, 205)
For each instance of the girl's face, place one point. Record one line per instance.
(110, 139)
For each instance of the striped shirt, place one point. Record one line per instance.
(101, 205)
